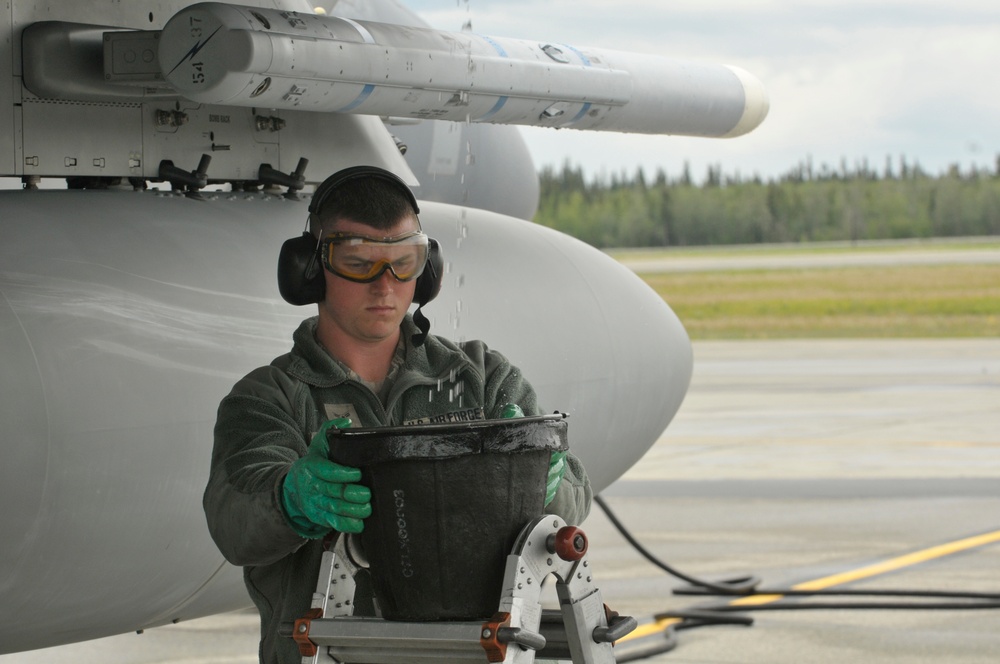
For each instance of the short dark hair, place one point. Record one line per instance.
(371, 201)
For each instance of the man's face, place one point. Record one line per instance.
(368, 312)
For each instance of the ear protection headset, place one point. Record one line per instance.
(300, 271)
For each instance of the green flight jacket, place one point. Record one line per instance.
(269, 418)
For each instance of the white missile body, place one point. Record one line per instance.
(245, 56)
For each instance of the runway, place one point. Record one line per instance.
(844, 464)
(888, 253)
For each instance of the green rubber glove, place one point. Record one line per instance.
(557, 462)
(320, 495)
(511, 410)
(557, 468)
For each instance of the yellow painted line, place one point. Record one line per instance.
(908, 560)
(649, 629)
(756, 600)
(868, 571)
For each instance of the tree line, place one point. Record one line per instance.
(806, 204)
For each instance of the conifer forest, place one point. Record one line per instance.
(806, 204)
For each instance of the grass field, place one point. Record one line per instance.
(952, 300)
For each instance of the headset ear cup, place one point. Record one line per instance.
(300, 276)
(429, 281)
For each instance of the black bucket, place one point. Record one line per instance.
(448, 501)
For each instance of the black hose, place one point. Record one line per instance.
(790, 592)
(738, 586)
(748, 586)
(836, 606)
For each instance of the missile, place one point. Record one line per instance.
(216, 53)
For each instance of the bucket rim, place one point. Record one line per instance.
(442, 428)
(367, 446)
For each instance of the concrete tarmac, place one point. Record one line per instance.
(798, 461)
(845, 464)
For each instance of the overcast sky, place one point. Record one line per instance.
(847, 79)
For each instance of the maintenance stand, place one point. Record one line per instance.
(583, 630)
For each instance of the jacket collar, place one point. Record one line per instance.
(312, 364)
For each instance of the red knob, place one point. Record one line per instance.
(570, 543)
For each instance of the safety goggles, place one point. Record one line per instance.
(363, 259)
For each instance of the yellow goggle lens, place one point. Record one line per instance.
(363, 259)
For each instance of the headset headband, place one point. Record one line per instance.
(344, 176)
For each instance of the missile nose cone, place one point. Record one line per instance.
(756, 104)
